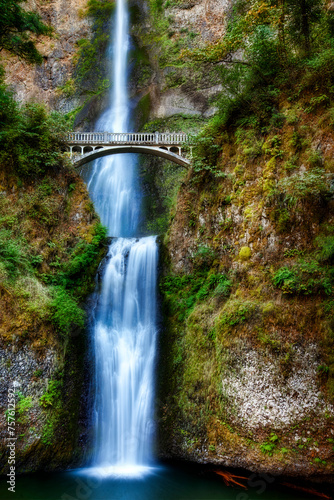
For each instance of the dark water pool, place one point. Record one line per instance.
(160, 483)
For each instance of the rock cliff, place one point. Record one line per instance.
(45, 83)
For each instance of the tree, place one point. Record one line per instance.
(302, 15)
(17, 27)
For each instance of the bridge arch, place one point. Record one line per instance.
(100, 152)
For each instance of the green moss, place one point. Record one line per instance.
(233, 313)
(143, 109)
(23, 406)
(245, 253)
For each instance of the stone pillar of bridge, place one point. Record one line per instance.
(157, 137)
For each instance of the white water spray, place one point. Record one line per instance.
(124, 322)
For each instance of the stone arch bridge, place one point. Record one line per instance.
(88, 146)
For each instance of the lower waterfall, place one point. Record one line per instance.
(125, 339)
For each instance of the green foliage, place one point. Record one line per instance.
(319, 70)
(207, 146)
(323, 369)
(68, 89)
(52, 394)
(70, 282)
(235, 314)
(100, 8)
(72, 273)
(304, 278)
(312, 274)
(32, 139)
(182, 292)
(66, 314)
(326, 249)
(304, 186)
(13, 254)
(251, 83)
(22, 407)
(48, 431)
(158, 4)
(269, 447)
(17, 26)
(303, 16)
(203, 257)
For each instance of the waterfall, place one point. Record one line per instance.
(124, 322)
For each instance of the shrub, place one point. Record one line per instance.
(304, 278)
(203, 258)
(73, 273)
(13, 253)
(302, 186)
(32, 139)
(65, 312)
(326, 249)
(182, 292)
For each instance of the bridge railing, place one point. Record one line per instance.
(127, 138)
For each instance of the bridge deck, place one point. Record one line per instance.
(106, 138)
(88, 146)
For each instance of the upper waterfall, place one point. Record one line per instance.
(112, 184)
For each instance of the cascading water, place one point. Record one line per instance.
(124, 322)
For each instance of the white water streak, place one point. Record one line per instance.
(125, 317)
(113, 181)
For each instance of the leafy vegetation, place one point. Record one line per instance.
(309, 276)
(18, 26)
(269, 44)
(32, 139)
(52, 394)
(22, 407)
(182, 292)
(268, 447)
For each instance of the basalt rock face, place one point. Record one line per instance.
(247, 355)
(44, 83)
(175, 87)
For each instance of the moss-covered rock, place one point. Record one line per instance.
(246, 369)
(51, 244)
